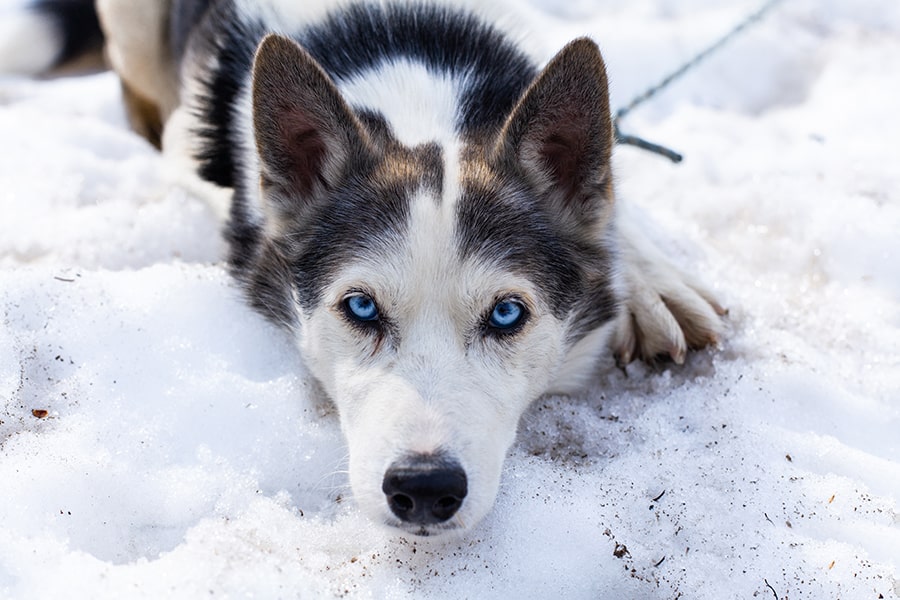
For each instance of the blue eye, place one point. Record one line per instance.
(361, 308)
(507, 314)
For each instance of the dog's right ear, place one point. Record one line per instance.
(305, 132)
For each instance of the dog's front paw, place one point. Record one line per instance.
(666, 311)
(666, 314)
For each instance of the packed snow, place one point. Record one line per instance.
(159, 439)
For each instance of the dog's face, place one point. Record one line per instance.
(431, 359)
(434, 290)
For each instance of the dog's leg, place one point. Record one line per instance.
(143, 115)
(137, 48)
(667, 310)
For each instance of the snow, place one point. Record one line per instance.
(184, 453)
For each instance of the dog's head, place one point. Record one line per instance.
(434, 290)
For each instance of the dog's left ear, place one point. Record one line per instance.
(560, 133)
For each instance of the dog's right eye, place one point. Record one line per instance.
(361, 308)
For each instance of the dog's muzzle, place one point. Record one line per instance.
(425, 489)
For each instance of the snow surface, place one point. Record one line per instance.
(184, 454)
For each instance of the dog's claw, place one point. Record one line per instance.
(677, 354)
(623, 358)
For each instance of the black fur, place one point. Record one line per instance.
(358, 220)
(511, 226)
(223, 34)
(76, 24)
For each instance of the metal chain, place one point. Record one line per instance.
(652, 91)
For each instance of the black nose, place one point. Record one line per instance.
(425, 489)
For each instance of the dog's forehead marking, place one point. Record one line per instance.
(406, 170)
(430, 246)
(429, 106)
(428, 114)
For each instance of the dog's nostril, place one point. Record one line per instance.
(402, 502)
(446, 507)
(425, 489)
(447, 503)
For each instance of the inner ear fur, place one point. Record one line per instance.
(560, 133)
(305, 132)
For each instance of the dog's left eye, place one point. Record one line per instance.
(361, 308)
(507, 315)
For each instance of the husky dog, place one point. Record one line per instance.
(425, 206)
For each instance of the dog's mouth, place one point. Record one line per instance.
(425, 531)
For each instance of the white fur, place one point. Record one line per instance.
(429, 108)
(250, 158)
(581, 362)
(181, 163)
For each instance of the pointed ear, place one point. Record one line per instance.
(305, 132)
(560, 133)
